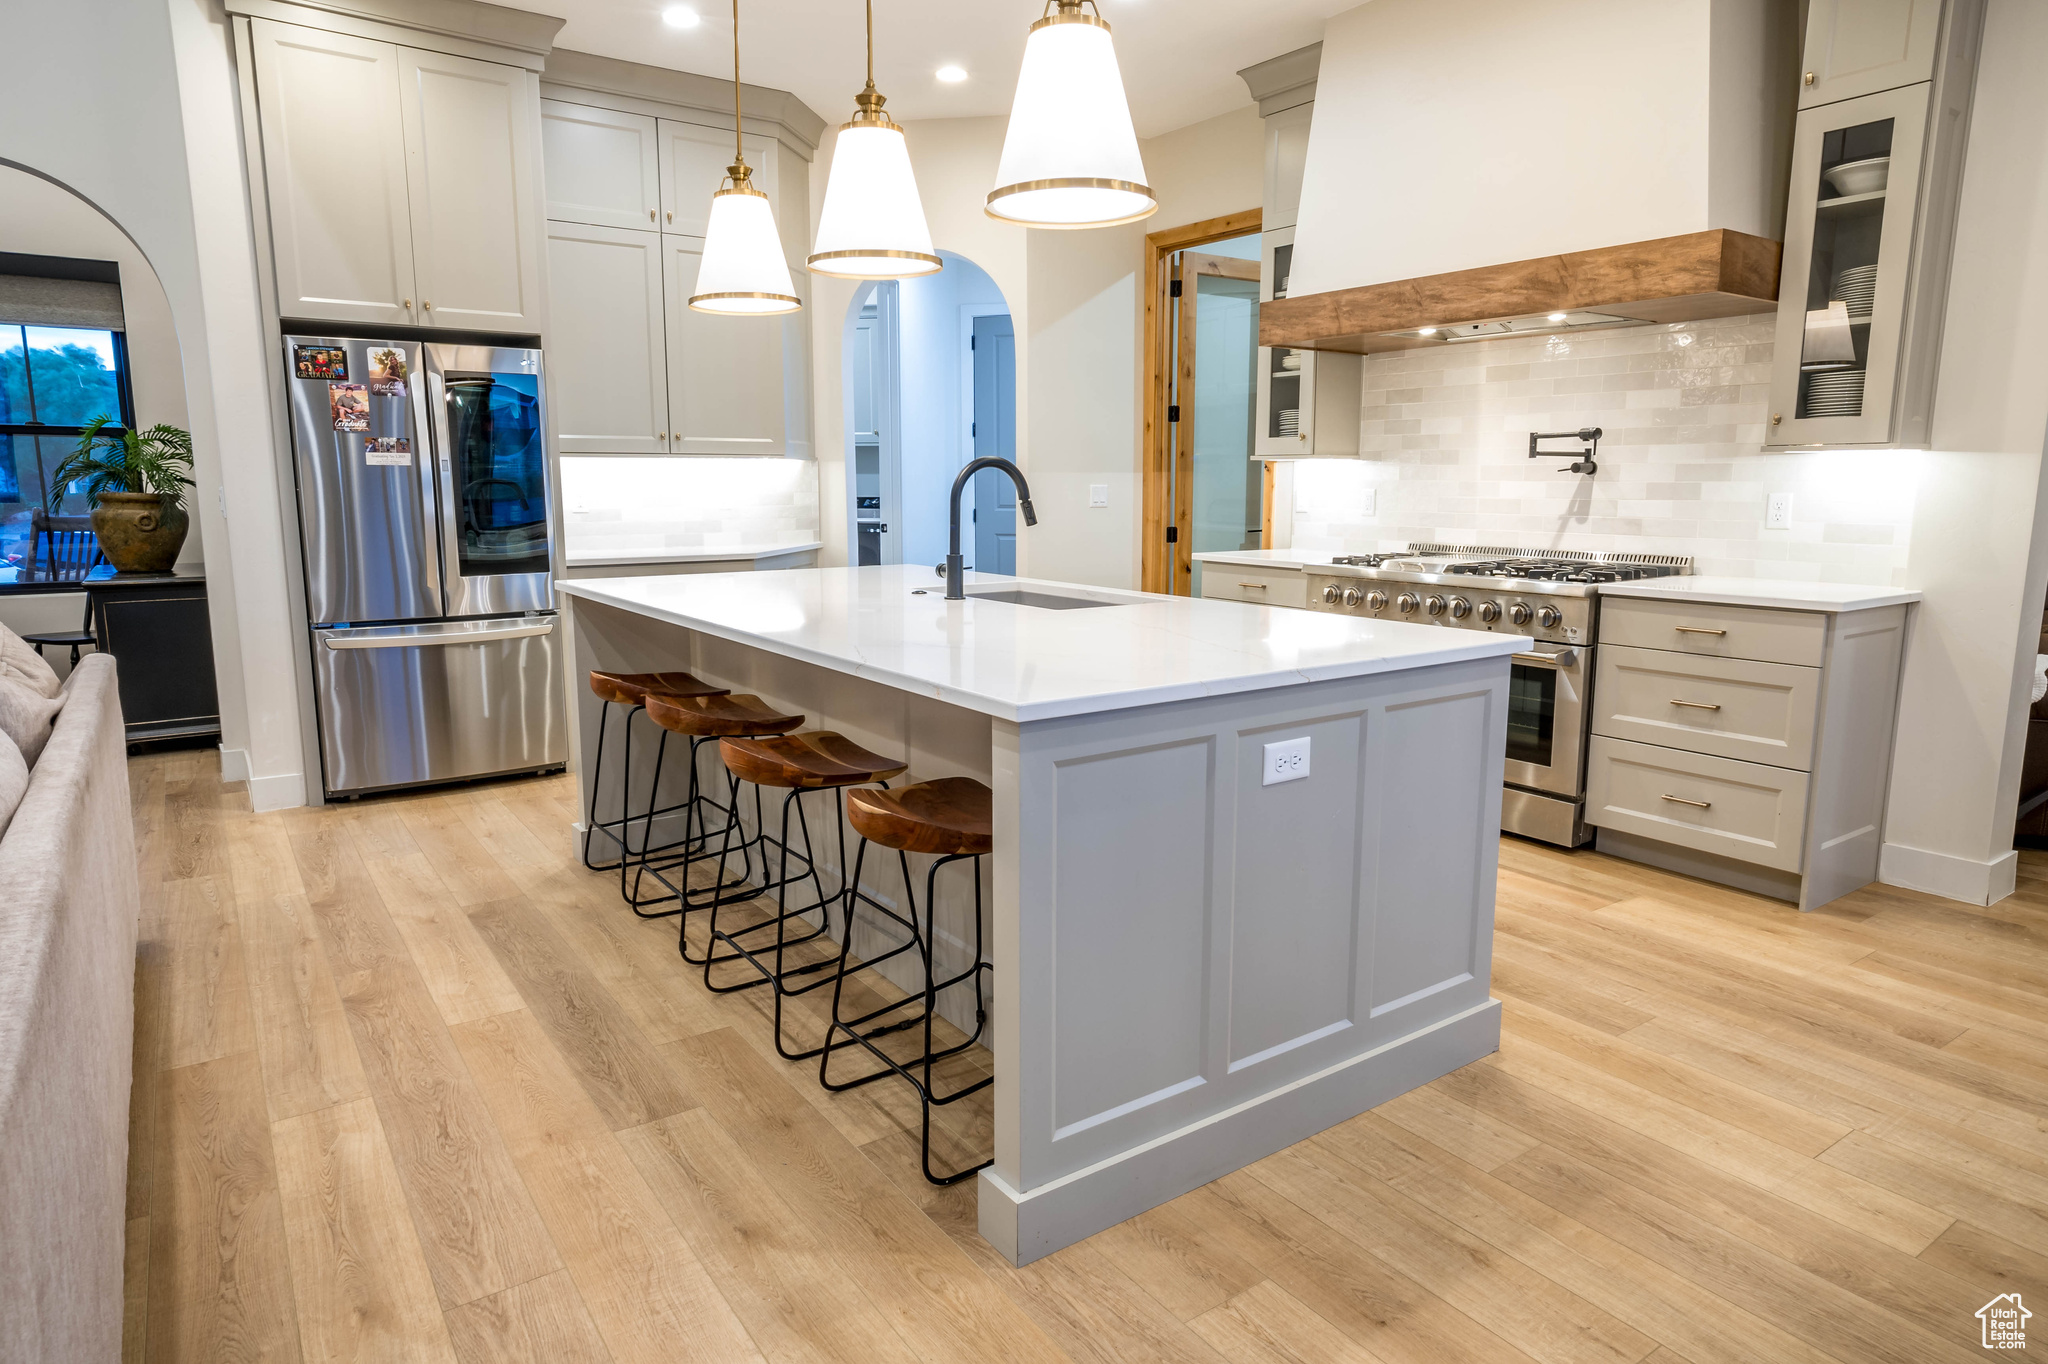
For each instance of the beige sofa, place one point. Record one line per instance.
(68, 911)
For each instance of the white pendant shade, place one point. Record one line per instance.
(873, 223)
(1070, 158)
(743, 270)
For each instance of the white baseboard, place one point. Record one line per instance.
(285, 791)
(1949, 876)
(234, 764)
(1027, 1225)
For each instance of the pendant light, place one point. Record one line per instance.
(1070, 158)
(743, 272)
(872, 226)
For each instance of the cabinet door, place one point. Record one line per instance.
(601, 166)
(1859, 47)
(606, 345)
(334, 172)
(693, 162)
(1286, 158)
(1842, 297)
(470, 163)
(729, 384)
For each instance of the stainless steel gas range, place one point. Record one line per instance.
(1551, 596)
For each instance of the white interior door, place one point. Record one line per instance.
(726, 375)
(693, 162)
(607, 346)
(470, 161)
(602, 166)
(334, 168)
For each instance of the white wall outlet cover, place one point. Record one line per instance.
(1368, 502)
(1286, 761)
(1778, 511)
(1098, 494)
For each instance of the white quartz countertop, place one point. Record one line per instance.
(1269, 558)
(1785, 594)
(706, 554)
(1027, 663)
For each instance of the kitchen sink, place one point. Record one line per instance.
(1050, 601)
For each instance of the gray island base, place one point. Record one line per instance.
(1192, 968)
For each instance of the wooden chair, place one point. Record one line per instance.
(64, 547)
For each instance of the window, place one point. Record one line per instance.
(53, 380)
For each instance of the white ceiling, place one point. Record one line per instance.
(1179, 57)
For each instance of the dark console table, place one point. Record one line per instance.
(156, 627)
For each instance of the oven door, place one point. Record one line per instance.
(1547, 695)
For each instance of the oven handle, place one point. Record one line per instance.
(1563, 658)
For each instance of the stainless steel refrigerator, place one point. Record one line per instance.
(426, 517)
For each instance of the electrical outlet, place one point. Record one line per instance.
(1778, 511)
(1368, 502)
(1098, 494)
(1286, 761)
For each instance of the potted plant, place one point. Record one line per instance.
(135, 483)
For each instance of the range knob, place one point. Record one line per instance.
(1407, 602)
(1460, 608)
(1330, 595)
(1435, 604)
(1489, 611)
(1519, 613)
(1376, 599)
(1351, 596)
(1548, 617)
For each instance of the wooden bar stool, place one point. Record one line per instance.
(703, 719)
(952, 818)
(796, 763)
(632, 690)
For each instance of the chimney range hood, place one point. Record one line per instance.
(1476, 167)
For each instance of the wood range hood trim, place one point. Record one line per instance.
(1717, 273)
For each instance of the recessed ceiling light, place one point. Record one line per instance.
(951, 75)
(1557, 317)
(680, 16)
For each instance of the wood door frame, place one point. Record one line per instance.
(1156, 565)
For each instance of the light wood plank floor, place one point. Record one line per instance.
(412, 1085)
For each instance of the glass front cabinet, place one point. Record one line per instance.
(1868, 230)
(1307, 401)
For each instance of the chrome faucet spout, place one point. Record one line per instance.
(956, 569)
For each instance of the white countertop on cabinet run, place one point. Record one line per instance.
(1025, 662)
(1778, 592)
(1268, 558)
(704, 554)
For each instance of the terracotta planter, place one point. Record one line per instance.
(140, 532)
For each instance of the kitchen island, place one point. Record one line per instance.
(1194, 966)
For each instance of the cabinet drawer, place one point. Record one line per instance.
(1730, 707)
(1233, 582)
(1745, 811)
(1718, 631)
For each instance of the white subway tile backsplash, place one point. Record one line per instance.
(617, 505)
(1444, 441)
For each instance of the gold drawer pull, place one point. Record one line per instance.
(1260, 586)
(1681, 800)
(1697, 630)
(1697, 705)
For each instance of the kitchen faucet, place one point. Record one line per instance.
(955, 569)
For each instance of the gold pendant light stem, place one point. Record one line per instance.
(738, 153)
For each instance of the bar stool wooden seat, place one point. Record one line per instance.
(797, 763)
(632, 690)
(953, 819)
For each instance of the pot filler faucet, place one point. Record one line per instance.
(954, 569)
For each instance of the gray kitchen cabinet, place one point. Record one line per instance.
(400, 182)
(736, 384)
(1286, 159)
(693, 159)
(607, 341)
(603, 166)
(471, 163)
(1306, 404)
(339, 224)
(1859, 47)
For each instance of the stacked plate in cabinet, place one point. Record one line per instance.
(1857, 287)
(1834, 393)
(1290, 421)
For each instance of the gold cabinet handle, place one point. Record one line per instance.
(427, 303)
(407, 302)
(1697, 630)
(671, 217)
(1681, 800)
(1696, 705)
(1809, 78)
(650, 215)
(1257, 586)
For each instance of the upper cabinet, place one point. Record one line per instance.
(602, 166)
(400, 182)
(339, 223)
(1870, 224)
(607, 340)
(1859, 47)
(693, 162)
(1286, 159)
(736, 385)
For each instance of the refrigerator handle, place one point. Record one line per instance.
(444, 474)
(404, 638)
(426, 454)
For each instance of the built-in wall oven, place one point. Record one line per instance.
(1548, 596)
